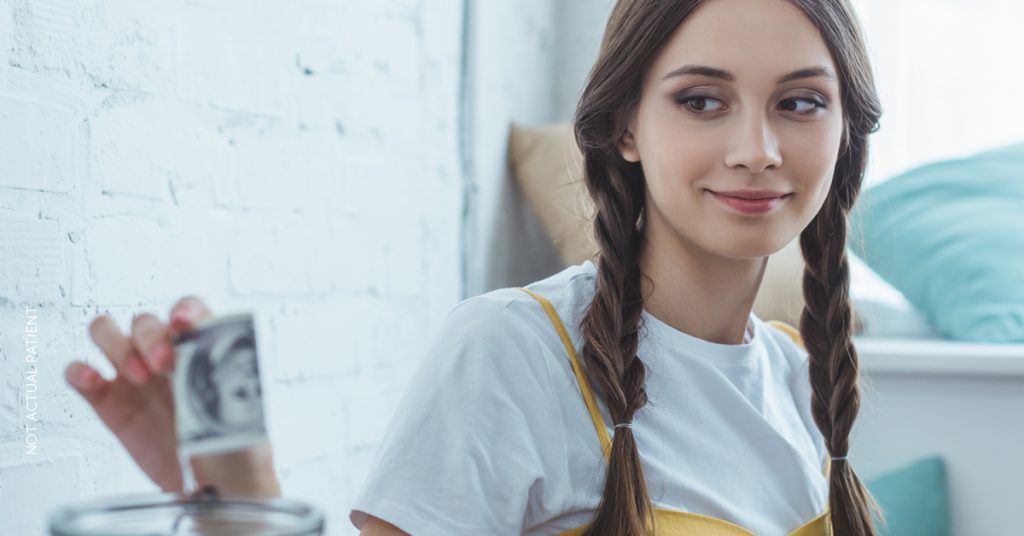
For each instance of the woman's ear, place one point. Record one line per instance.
(628, 148)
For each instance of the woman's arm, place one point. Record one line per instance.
(379, 527)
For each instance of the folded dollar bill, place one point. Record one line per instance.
(218, 399)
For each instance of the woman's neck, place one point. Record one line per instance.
(708, 297)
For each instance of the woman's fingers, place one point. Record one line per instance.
(86, 381)
(119, 350)
(148, 349)
(151, 339)
(188, 312)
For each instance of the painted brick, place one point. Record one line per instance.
(138, 259)
(40, 153)
(33, 268)
(31, 490)
(159, 149)
(325, 338)
(276, 254)
(123, 44)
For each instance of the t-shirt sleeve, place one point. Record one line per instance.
(476, 439)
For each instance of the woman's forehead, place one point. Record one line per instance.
(756, 41)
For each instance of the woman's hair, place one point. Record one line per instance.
(637, 30)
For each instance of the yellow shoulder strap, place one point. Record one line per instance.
(789, 330)
(588, 396)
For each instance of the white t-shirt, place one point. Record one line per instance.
(494, 437)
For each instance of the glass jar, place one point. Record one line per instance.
(202, 513)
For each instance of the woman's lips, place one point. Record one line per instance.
(749, 206)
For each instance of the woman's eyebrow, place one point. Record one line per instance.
(704, 70)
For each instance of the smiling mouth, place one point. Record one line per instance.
(750, 206)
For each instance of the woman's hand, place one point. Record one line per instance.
(138, 405)
(378, 527)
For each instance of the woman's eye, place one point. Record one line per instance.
(703, 108)
(814, 105)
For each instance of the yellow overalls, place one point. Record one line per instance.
(671, 522)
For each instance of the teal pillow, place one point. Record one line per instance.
(914, 498)
(950, 236)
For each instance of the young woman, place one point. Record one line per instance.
(639, 391)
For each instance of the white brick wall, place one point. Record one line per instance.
(299, 160)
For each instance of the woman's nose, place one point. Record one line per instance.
(755, 145)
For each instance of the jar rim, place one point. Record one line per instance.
(281, 516)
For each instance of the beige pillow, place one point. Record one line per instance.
(549, 169)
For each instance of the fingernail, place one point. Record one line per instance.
(181, 318)
(84, 378)
(136, 370)
(160, 353)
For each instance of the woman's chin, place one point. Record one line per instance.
(753, 247)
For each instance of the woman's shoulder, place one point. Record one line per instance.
(791, 332)
(506, 333)
(786, 340)
(517, 308)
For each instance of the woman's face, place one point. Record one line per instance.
(695, 134)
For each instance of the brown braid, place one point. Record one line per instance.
(610, 327)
